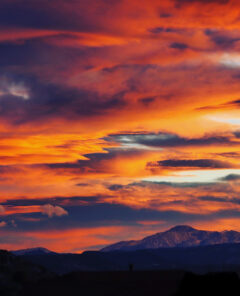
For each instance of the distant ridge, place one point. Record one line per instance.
(32, 251)
(178, 236)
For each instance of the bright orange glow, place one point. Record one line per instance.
(117, 117)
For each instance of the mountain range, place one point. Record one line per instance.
(178, 236)
(32, 251)
(181, 247)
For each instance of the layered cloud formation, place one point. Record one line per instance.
(117, 119)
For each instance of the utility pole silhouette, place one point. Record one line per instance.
(130, 267)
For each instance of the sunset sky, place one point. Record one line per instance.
(118, 119)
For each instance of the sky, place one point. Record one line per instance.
(118, 119)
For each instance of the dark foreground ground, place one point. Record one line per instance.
(116, 283)
(20, 277)
(148, 283)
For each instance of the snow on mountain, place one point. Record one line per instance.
(178, 236)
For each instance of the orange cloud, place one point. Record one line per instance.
(100, 100)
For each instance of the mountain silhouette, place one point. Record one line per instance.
(178, 236)
(223, 257)
(32, 251)
(181, 247)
